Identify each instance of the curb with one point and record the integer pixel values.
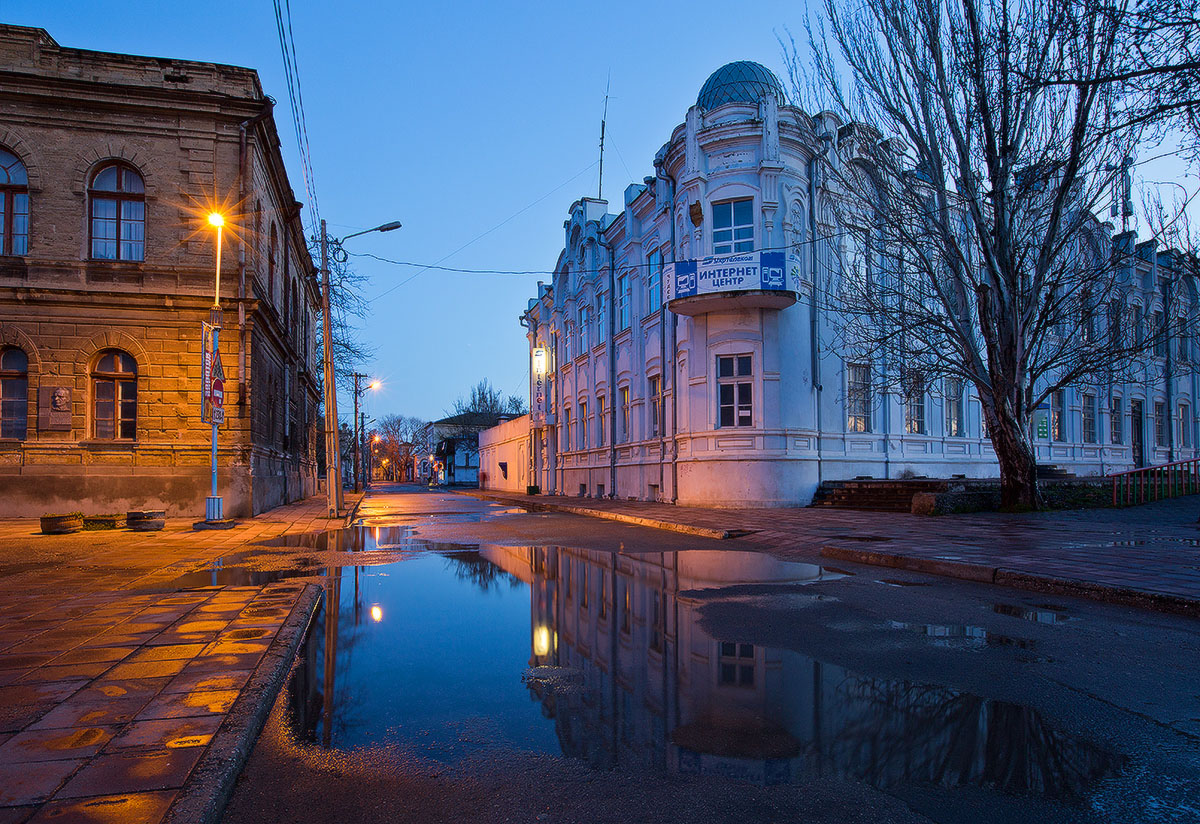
(654, 523)
(210, 785)
(1002, 576)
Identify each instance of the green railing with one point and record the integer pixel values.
(1153, 483)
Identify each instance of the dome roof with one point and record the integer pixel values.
(741, 82)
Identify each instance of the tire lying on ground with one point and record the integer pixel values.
(145, 520)
(62, 524)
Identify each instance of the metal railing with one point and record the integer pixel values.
(1153, 483)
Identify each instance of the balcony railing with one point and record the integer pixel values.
(1154, 483)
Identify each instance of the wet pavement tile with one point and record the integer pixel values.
(55, 745)
(222, 663)
(32, 783)
(90, 655)
(25, 660)
(118, 773)
(129, 808)
(187, 681)
(167, 733)
(188, 704)
(167, 652)
(16, 815)
(147, 669)
(68, 672)
(93, 712)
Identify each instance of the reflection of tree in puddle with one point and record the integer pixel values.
(650, 688)
(470, 566)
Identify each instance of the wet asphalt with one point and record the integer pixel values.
(1093, 709)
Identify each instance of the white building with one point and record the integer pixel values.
(720, 386)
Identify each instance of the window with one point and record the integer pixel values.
(1185, 426)
(583, 584)
(117, 200)
(1089, 419)
(655, 392)
(601, 421)
(1160, 423)
(585, 331)
(624, 413)
(1116, 422)
(626, 608)
(14, 205)
(1159, 330)
(272, 248)
(569, 341)
(622, 302)
(656, 621)
(914, 402)
(567, 429)
(735, 664)
(954, 408)
(858, 397)
(1058, 415)
(602, 597)
(601, 320)
(114, 396)
(735, 390)
(654, 282)
(1139, 326)
(14, 393)
(1185, 340)
(1114, 321)
(583, 426)
(733, 226)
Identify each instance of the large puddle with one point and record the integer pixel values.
(603, 657)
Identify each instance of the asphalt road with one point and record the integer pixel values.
(877, 696)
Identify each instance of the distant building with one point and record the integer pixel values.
(108, 165)
(722, 385)
(455, 443)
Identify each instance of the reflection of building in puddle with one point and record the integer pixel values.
(643, 685)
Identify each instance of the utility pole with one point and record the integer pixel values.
(366, 448)
(357, 477)
(333, 469)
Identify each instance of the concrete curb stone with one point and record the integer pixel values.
(210, 785)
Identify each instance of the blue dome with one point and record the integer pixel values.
(742, 82)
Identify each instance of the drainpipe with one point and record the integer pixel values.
(814, 317)
(612, 366)
(243, 174)
(663, 174)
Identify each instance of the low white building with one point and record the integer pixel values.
(683, 351)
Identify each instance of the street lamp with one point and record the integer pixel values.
(333, 464)
(357, 438)
(212, 390)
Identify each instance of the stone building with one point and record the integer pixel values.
(109, 165)
(686, 351)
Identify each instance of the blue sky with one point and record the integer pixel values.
(474, 123)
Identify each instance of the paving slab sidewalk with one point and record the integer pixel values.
(123, 698)
(1146, 556)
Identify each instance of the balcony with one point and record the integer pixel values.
(746, 280)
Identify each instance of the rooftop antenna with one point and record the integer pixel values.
(603, 118)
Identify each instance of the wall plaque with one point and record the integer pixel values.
(54, 408)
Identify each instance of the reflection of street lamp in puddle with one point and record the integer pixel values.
(541, 641)
(376, 613)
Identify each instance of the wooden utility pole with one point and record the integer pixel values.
(333, 468)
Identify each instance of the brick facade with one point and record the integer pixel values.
(198, 134)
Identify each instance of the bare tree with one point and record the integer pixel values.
(965, 244)
(486, 399)
(347, 308)
(402, 438)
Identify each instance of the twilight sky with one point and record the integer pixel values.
(474, 123)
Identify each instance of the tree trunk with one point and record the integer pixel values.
(1018, 466)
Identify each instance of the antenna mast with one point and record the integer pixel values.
(603, 118)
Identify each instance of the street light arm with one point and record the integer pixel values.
(386, 227)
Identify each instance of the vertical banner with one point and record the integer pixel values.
(537, 404)
(206, 347)
(212, 376)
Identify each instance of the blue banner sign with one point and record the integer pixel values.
(741, 272)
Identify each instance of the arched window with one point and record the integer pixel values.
(14, 393)
(296, 324)
(14, 205)
(114, 396)
(117, 200)
(271, 264)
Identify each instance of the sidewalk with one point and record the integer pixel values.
(1146, 556)
(121, 698)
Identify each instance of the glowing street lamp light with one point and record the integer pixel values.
(217, 221)
(214, 507)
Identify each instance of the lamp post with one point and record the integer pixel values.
(333, 463)
(357, 391)
(214, 509)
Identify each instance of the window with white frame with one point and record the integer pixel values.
(654, 282)
(601, 421)
(1185, 426)
(1089, 419)
(654, 390)
(1159, 330)
(735, 390)
(733, 226)
(622, 303)
(568, 342)
(585, 330)
(858, 397)
(624, 393)
(567, 430)
(1160, 423)
(601, 319)
(735, 664)
(1116, 421)
(914, 402)
(954, 408)
(1184, 338)
(583, 426)
(1058, 415)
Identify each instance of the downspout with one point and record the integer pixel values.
(527, 324)
(665, 175)
(243, 173)
(612, 366)
(814, 317)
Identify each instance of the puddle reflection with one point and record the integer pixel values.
(603, 658)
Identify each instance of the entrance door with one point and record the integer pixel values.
(1136, 428)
